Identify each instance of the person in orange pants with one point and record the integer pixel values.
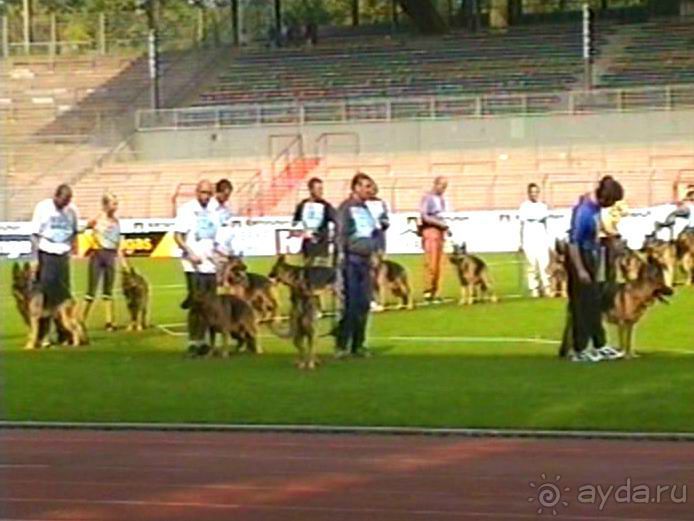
(433, 230)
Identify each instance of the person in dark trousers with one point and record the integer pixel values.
(586, 267)
(314, 214)
(357, 241)
(196, 226)
(54, 228)
(105, 251)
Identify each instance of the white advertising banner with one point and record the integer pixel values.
(481, 231)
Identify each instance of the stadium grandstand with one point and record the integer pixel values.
(493, 94)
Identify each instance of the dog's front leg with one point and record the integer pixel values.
(33, 338)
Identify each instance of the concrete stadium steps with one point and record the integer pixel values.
(519, 60)
(657, 52)
(484, 178)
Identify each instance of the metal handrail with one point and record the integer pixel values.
(666, 97)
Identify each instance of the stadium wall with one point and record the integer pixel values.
(648, 127)
(482, 231)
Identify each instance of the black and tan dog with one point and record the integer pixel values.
(317, 279)
(391, 276)
(625, 306)
(256, 289)
(227, 315)
(473, 275)
(664, 253)
(302, 324)
(630, 264)
(558, 276)
(685, 254)
(31, 306)
(137, 294)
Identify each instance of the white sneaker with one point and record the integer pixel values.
(587, 355)
(610, 353)
(376, 307)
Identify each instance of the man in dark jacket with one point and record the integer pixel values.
(314, 214)
(357, 241)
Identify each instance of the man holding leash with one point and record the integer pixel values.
(195, 230)
(54, 229)
(357, 241)
(433, 230)
(533, 216)
(314, 214)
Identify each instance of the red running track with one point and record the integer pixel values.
(173, 476)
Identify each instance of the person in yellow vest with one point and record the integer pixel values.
(103, 253)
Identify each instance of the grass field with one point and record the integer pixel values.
(489, 365)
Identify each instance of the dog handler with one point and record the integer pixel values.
(586, 269)
(433, 231)
(315, 214)
(533, 216)
(106, 239)
(54, 228)
(357, 241)
(195, 230)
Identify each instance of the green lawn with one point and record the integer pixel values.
(486, 372)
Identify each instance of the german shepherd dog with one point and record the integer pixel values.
(136, 292)
(389, 275)
(625, 306)
(685, 254)
(665, 254)
(227, 315)
(302, 324)
(317, 279)
(558, 277)
(256, 289)
(31, 306)
(473, 274)
(629, 265)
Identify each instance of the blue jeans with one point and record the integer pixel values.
(357, 284)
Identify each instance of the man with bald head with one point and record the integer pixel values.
(433, 231)
(54, 231)
(197, 222)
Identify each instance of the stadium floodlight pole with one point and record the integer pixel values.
(588, 46)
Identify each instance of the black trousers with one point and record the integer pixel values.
(54, 278)
(584, 317)
(357, 293)
(198, 283)
(102, 265)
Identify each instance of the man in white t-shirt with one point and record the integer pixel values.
(195, 230)
(54, 229)
(533, 216)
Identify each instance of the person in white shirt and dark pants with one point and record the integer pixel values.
(54, 229)
(196, 227)
(533, 216)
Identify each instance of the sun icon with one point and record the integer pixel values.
(548, 495)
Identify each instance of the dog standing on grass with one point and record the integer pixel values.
(318, 278)
(137, 293)
(227, 315)
(558, 276)
(473, 275)
(256, 289)
(390, 276)
(685, 254)
(36, 314)
(302, 324)
(629, 302)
